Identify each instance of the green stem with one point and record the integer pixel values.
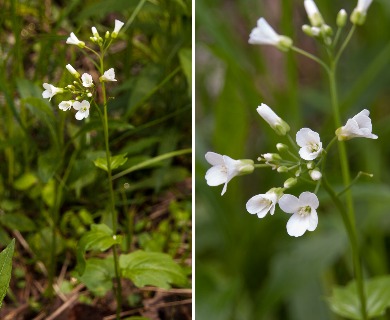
(350, 223)
(344, 45)
(311, 56)
(114, 217)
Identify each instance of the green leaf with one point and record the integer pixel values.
(25, 182)
(345, 300)
(152, 161)
(116, 161)
(17, 221)
(185, 56)
(98, 275)
(6, 269)
(151, 268)
(99, 238)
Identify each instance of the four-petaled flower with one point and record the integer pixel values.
(87, 80)
(65, 105)
(264, 34)
(72, 39)
(50, 91)
(108, 75)
(225, 169)
(310, 144)
(304, 215)
(276, 123)
(82, 109)
(118, 26)
(359, 126)
(262, 203)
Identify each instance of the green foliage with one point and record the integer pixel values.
(345, 300)
(100, 238)
(115, 162)
(151, 268)
(98, 275)
(6, 269)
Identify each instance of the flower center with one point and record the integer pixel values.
(83, 109)
(313, 147)
(304, 211)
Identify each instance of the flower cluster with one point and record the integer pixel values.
(302, 161)
(263, 33)
(83, 87)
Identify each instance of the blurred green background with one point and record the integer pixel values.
(247, 268)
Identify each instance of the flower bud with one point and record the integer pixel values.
(326, 30)
(72, 71)
(282, 169)
(276, 123)
(281, 147)
(313, 13)
(307, 30)
(246, 166)
(95, 33)
(271, 157)
(290, 182)
(310, 165)
(107, 34)
(341, 18)
(315, 174)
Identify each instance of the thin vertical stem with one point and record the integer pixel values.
(350, 223)
(114, 217)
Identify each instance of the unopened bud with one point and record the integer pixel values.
(341, 18)
(282, 169)
(315, 174)
(107, 34)
(271, 157)
(310, 165)
(246, 166)
(290, 182)
(307, 30)
(326, 30)
(281, 147)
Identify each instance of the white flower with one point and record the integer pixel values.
(118, 26)
(304, 212)
(73, 40)
(359, 126)
(358, 15)
(82, 109)
(276, 123)
(87, 80)
(264, 34)
(225, 169)
(108, 75)
(72, 71)
(313, 13)
(50, 91)
(262, 203)
(65, 105)
(310, 144)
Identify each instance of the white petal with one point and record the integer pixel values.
(313, 220)
(289, 203)
(76, 105)
(306, 136)
(214, 158)
(232, 166)
(216, 176)
(297, 225)
(79, 115)
(308, 199)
